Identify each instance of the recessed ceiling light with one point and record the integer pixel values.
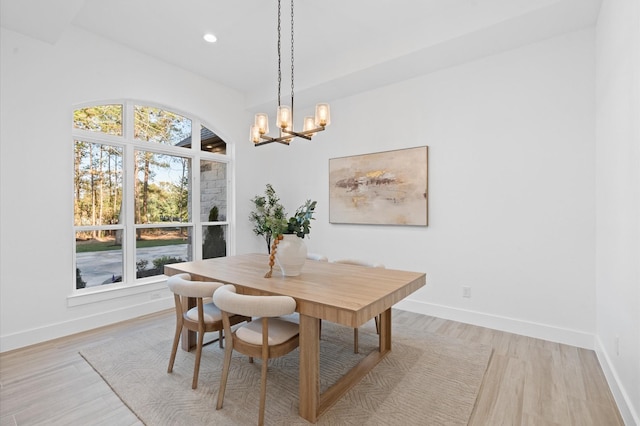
(210, 38)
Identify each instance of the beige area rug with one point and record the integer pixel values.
(427, 379)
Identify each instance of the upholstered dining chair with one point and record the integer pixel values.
(202, 318)
(370, 265)
(317, 256)
(265, 337)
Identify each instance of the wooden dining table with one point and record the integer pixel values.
(344, 294)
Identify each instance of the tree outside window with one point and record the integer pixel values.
(133, 196)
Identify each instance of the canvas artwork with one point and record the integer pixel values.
(387, 188)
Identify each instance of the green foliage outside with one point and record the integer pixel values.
(99, 168)
(158, 266)
(159, 262)
(80, 283)
(100, 118)
(214, 243)
(109, 245)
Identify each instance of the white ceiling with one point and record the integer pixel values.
(341, 46)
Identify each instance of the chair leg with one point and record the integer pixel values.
(196, 367)
(220, 338)
(355, 335)
(225, 374)
(263, 391)
(174, 349)
(355, 340)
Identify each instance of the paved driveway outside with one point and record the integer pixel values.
(100, 267)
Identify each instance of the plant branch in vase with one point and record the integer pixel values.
(268, 215)
(300, 223)
(270, 222)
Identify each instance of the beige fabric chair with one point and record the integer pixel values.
(318, 257)
(203, 318)
(266, 337)
(370, 265)
(360, 263)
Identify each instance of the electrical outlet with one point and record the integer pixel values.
(466, 291)
(155, 296)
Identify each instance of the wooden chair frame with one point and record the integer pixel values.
(200, 327)
(263, 351)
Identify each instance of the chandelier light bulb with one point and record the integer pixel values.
(254, 134)
(262, 123)
(309, 124)
(210, 38)
(323, 115)
(284, 119)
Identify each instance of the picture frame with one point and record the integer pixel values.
(381, 188)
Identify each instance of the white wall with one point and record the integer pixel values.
(618, 201)
(39, 84)
(511, 176)
(511, 179)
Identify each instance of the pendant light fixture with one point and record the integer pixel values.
(284, 113)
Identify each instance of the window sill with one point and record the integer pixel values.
(114, 291)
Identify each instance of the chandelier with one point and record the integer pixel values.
(284, 114)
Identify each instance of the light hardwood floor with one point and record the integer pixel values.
(528, 381)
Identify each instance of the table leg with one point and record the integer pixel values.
(385, 331)
(312, 404)
(309, 392)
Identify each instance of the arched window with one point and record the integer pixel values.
(150, 188)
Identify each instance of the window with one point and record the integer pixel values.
(148, 191)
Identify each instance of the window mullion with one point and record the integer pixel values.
(231, 223)
(195, 206)
(129, 240)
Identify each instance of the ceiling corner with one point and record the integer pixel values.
(44, 20)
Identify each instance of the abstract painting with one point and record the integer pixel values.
(385, 188)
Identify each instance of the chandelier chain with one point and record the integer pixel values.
(284, 116)
(292, 57)
(279, 56)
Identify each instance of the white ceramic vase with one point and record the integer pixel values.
(291, 253)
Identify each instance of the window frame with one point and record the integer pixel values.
(130, 285)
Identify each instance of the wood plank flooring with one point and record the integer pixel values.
(528, 381)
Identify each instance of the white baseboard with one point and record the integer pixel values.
(629, 415)
(511, 325)
(78, 325)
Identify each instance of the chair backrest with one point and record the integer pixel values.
(182, 285)
(229, 301)
(360, 263)
(317, 256)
